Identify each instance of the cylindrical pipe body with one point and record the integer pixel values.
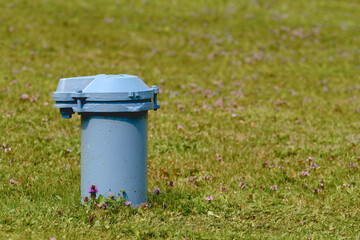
(114, 154)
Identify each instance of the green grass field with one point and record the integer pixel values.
(260, 109)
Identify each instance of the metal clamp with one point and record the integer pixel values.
(80, 99)
(156, 92)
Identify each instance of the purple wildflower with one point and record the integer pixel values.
(207, 177)
(219, 159)
(305, 173)
(316, 191)
(68, 150)
(91, 218)
(242, 185)
(12, 160)
(144, 205)
(128, 203)
(346, 185)
(274, 187)
(171, 183)
(310, 158)
(24, 96)
(157, 191)
(223, 189)
(59, 212)
(266, 164)
(190, 179)
(313, 165)
(209, 198)
(93, 190)
(12, 181)
(4, 145)
(219, 103)
(352, 165)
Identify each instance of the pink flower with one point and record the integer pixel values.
(68, 150)
(25, 96)
(242, 185)
(13, 82)
(223, 189)
(180, 107)
(33, 99)
(219, 102)
(240, 94)
(59, 212)
(352, 165)
(209, 198)
(12, 181)
(180, 127)
(211, 56)
(313, 165)
(93, 190)
(274, 187)
(316, 191)
(206, 177)
(305, 173)
(157, 191)
(128, 203)
(190, 179)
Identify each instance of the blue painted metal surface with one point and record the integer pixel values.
(114, 110)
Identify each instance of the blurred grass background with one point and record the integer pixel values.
(243, 83)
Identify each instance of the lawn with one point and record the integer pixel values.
(260, 111)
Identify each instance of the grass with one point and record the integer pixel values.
(250, 90)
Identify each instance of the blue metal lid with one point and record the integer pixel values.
(104, 93)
